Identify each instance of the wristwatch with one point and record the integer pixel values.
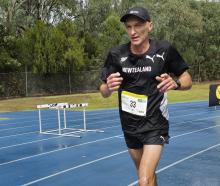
(178, 84)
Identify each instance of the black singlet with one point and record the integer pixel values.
(139, 72)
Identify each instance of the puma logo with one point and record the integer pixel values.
(160, 56)
(162, 138)
(123, 59)
(151, 58)
(157, 55)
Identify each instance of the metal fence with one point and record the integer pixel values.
(31, 84)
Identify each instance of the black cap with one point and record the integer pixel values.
(139, 12)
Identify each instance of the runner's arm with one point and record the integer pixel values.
(168, 83)
(113, 83)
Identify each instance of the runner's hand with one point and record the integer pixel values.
(114, 81)
(166, 83)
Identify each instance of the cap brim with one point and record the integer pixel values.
(125, 17)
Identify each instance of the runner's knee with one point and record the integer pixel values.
(147, 180)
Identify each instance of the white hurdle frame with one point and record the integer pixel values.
(61, 131)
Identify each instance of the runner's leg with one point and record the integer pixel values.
(148, 163)
(136, 155)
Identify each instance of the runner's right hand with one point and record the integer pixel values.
(114, 81)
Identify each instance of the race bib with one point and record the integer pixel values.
(134, 103)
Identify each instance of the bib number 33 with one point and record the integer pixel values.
(134, 103)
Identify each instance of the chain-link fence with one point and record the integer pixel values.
(31, 84)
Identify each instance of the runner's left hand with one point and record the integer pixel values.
(166, 83)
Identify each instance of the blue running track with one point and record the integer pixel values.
(101, 159)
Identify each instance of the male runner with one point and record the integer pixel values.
(140, 72)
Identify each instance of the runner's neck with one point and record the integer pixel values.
(140, 49)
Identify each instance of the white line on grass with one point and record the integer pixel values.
(180, 161)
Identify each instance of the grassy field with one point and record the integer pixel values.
(4, 118)
(95, 100)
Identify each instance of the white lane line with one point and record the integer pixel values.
(118, 119)
(108, 110)
(195, 131)
(30, 142)
(119, 153)
(180, 161)
(19, 134)
(121, 137)
(188, 157)
(88, 114)
(65, 148)
(118, 136)
(36, 141)
(50, 124)
(189, 114)
(76, 167)
(28, 126)
(47, 139)
(191, 121)
(51, 118)
(15, 145)
(13, 128)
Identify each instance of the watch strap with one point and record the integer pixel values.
(178, 84)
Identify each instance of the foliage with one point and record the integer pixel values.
(110, 28)
(8, 62)
(49, 49)
(49, 36)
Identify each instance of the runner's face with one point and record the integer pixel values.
(137, 30)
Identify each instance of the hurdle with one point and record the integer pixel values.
(63, 130)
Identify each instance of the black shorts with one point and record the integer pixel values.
(137, 141)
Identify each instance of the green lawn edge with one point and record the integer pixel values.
(199, 92)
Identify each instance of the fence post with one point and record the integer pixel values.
(70, 82)
(26, 81)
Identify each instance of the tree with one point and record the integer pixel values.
(42, 48)
(12, 15)
(49, 49)
(8, 61)
(74, 56)
(111, 33)
(74, 47)
(209, 49)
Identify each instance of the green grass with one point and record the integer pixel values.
(95, 100)
(196, 93)
(4, 118)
